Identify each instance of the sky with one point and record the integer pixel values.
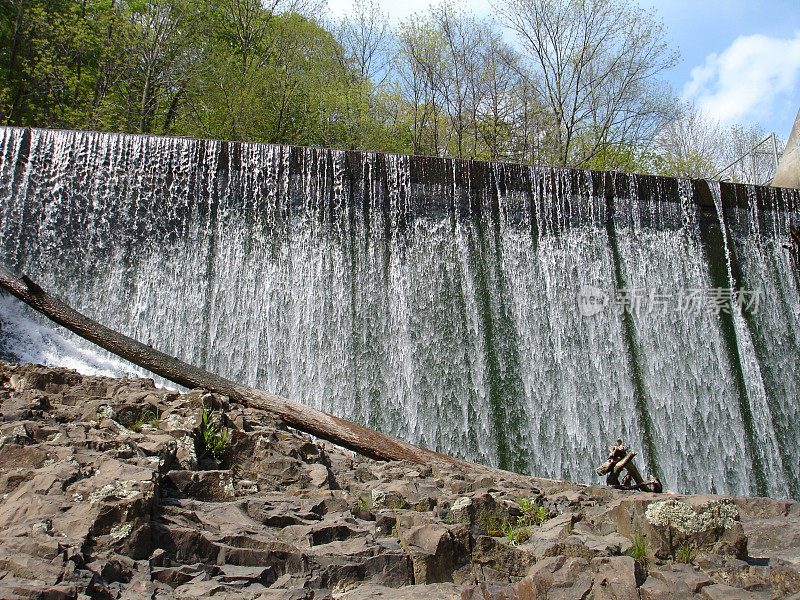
(740, 59)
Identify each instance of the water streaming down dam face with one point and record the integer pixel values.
(434, 300)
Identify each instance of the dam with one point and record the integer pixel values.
(522, 317)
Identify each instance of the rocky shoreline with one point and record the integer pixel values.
(113, 488)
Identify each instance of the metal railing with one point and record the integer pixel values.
(762, 165)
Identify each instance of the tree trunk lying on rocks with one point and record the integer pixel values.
(344, 433)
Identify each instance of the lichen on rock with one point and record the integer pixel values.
(716, 514)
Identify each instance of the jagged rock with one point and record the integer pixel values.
(503, 557)
(438, 591)
(700, 522)
(557, 578)
(655, 589)
(203, 485)
(462, 511)
(97, 503)
(320, 477)
(616, 578)
(720, 591)
(679, 576)
(432, 552)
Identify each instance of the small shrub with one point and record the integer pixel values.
(212, 438)
(147, 417)
(421, 506)
(508, 531)
(522, 535)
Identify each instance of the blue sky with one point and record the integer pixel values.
(740, 60)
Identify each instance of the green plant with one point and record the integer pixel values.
(146, 417)
(515, 535)
(532, 513)
(150, 418)
(363, 503)
(508, 531)
(212, 437)
(490, 523)
(638, 549)
(686, 553)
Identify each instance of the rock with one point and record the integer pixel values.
(92, 508)
(617, 578)
(557, 578)
(439, 591)
(203, 485)
(678, 576)
(655, 589)
(719, 591)
(462, 511)
(431, 550)
(502, 556)
(700, 522)
(384, 498)
(319, 476)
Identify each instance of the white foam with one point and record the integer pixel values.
(26, 341)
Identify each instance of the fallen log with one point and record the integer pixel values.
(353, 436)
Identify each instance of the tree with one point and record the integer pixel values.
(504, 116)
(460, 83)
(157, 62)
(368, 50)
(421, 50)
(49, 55)
(688, 145)
(694, 145)
(594, 64)
(748, 155)
(367, 42)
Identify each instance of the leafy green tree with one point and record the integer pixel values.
(595, 66)
(50, 51)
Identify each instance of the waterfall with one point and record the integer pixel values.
(435, 300)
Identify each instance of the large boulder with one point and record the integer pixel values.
(692, 522)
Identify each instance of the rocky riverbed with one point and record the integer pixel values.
(113, 488)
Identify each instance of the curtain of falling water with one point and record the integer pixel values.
(459, 331)
(690, 391)
(771, 335)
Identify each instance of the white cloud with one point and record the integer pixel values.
(751, 78)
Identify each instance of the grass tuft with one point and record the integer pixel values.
(638, 550)
(686, 553)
